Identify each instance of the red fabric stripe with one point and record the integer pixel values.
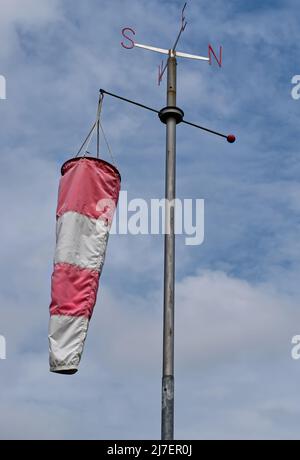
(86, 182)
(73, 290)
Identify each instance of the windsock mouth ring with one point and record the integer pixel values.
(66, 165)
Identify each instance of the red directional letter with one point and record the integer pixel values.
(128, 47)
(210, 50)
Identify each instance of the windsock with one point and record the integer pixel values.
(87, 198)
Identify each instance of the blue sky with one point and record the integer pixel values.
(237, 295)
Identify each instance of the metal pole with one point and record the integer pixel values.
(167, 425)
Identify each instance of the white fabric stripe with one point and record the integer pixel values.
(66, 340)
(81, 241)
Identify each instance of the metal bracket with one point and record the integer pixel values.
(174, 112)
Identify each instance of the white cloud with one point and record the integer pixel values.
(27, 14)
(217, 318)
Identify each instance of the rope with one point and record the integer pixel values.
(88, 138)
(97, 125)
(107, 144)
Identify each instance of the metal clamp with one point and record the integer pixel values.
(174, 112)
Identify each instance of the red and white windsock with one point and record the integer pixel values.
(87, 198)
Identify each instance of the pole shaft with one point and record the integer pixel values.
(167, 426)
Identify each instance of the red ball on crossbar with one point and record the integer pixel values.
(231, 138)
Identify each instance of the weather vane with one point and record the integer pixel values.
(172, 51)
